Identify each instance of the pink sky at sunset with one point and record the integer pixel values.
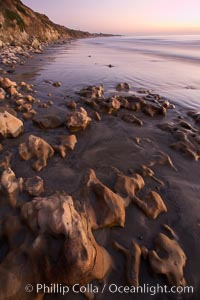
(123, 16)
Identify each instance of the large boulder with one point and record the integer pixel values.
(80, 259)
(10, 126)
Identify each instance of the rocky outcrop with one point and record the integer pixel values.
(19, 24)
(80, 257)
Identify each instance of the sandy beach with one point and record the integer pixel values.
(117, 166)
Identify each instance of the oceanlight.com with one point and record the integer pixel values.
(111, 288)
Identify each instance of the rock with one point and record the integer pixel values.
(123, 101)
(147, 172)
(72, 105)
(112, 105)
(26, 87)
(36, 44)
(186, 138)
(79, 258)
(123, 86)
(195, 114)
(31, 99)
(152, 204)
(57, 84)
(16, 270)
(128, 186)
(26, 107)
(78, 121)
(152, 110)
(29, 115)
(11, 186)
(133, 257)
(162, 158)
(96, 116)
(48, 121)
(92, 92)
(66, 144)
(131, 118)
(168, 259)
(6, 83)
(36, 148)
(34, 186)
(105, 208)
(8, 109)
(13, 92)
(2, 94)
(5, 161)
(11, 228)
(135, 103)
(10, 126)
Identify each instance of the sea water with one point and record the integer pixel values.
(169, 65)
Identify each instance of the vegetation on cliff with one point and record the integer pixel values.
(19, 24)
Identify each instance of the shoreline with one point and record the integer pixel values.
(120, 132)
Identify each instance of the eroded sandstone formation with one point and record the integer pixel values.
(10, 185)
(37, 148)
(169, 259)
(10, 126)
(92, 92)
(151, 204)
(65, 144)
(99, 198)
(128, 187)
(186, 137)
(80, 258)
(133, 257)
(34, 186)
(78, 121)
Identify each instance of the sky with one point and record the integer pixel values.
(123, 16)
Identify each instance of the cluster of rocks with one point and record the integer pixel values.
(79, 257)
(186, 137)
(150, 104)
(11, 55)
(58, 243)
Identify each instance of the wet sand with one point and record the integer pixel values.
(111, 142)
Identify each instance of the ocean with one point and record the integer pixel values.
(169, 65)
